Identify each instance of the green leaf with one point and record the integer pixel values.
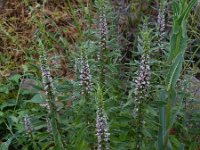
(176, 9)
(175, 142)
(184, 31)
(5, 145)
(13, 119)
(188, 9)
(15, 78)
(174, 72)
(8, 103)
(38, 98)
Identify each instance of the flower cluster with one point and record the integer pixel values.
(46, 105)
(46, 76)
(142, 81)
(103, 31)
(51, 98)
(161, 25)
(161, 22)
(102, 129)
(85, 76)
(103, 27)
(49, 88)
(47, 81)
(27, 124)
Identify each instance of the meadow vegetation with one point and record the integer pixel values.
(100, 75)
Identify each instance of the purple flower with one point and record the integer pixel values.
(161, 25)
(161, 21)
(142, 81)
(103, 31)
(102, 129)
(85, 76)
(47, 81)
(103, 27)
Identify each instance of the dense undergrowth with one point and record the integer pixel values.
(85, 75)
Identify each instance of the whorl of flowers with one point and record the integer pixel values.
(46, 80)
(103, 27)
(27, 124)
(161, 21)
(46, 76)
(103, 31)
(141, 86)
(161, 24)
(85, 76)
(142, 81)
(49, 125)
(102, 128)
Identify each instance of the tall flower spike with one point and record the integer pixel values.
(103, 27)
(85, 76)
(47, 81)
(46, 76)
(141, 86)
(103, 31)
(50, 97)
(102, 127)
(161, 25)
(27, 124)
(142, 81)
(161, 21)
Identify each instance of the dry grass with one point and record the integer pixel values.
(17, 32)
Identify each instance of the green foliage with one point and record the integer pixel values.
(178, 45)
(168, 116)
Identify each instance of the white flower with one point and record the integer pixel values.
(47, 81)
(142, 82)
(144, 75)
(46, 105)
(103, 31)
(161, 25)
(27, 124)
(102, 129)
(103, 27)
